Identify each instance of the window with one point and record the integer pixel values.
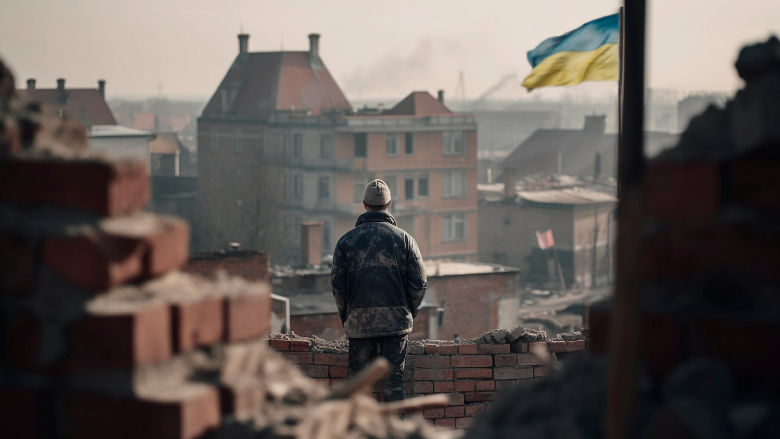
(454, 227)
(298, 186)
(326, 146)
(297, 145)
(360, 186)
(454, 184)
(361, 143)
(422, 186)
(324, 187)
(454, 142)
(409, 143)
(238, 142)
(391, 184)
(392, 144)
(409, 188)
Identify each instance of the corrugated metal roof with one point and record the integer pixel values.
(572, 196)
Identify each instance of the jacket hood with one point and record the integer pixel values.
(373, 216)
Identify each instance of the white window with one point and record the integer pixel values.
(454, 227)
(392, 144)
(298, 186)
(326, 146)
(324, 187)
(453, 184)
(454, 142)
(297, 145)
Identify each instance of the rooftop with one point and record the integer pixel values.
(569, 196)
(103, 131)
(84, 104)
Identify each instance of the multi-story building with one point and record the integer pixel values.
(279, 145)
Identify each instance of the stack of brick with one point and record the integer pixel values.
(470, 373)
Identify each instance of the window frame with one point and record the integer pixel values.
(323, 182)
(361, 145)
(450, 222)
(326, 146)
(427, 179)
(450, 142)
(391, 139)
(409, 143)
(409, 188)
(297, 145)
(298, 186)
(447, 184)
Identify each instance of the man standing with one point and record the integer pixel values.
(378, 281)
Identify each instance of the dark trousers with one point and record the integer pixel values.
(363, 351)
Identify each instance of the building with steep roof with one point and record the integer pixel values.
(279, 145)
(88, 105)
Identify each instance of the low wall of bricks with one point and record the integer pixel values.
(471, 374)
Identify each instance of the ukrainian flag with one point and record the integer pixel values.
(588, 53)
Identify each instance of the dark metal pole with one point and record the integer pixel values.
(621, 386)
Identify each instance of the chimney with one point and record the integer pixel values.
(311, 243)
(102, 88)
(243, 44)
(441, 96)
(62, 95)
(31, 84)
(314, 45)
(60, 85)
(595, 123)
(509, 183)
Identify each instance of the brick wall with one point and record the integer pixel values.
(250, 265)
(471, 374)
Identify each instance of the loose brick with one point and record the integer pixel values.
(529, 360)
(299, 345)
(315, 370)
(422, 387)
(478, 396)
(338, 371)
(456, 399)
(513, 373)
(474, 410)
(556, 346)
(456, 411)
(434, 413)
(465, 386)
(279, 344)
(504, 360)
(196, 323)
(472, 361)
(443, 386)
(467, 349)
(493, 348)
(299, 357)
(433, 374)
(248, 315)
(473, 373)
(104, 188)
(414, 349)
(331, 359)
(429, 349)
(485, 385)
(540, 371)
(445, 422)
(447, 349)
(167, 245)
(432, 362)
(463, 422)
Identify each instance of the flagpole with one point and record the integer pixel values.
(560, 270)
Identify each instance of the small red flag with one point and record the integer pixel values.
(545, 239)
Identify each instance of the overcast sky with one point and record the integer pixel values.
(373, 48)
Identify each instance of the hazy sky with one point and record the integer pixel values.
(373, 48)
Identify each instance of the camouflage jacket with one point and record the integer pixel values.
(378, 278)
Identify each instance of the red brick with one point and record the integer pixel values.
(121, 339)
(247, 316)
(299, 357)
(432, 362)
(443, 386)
(513, 373)
(473, 373)
(279, 344)
(338, 371)
(331, 359)
(183, 415)
(556, 346)
(315, 370)
(518, 347)
(434, 413)
(17, 265)
(472, 361)
(478, 396)
(486, 385)
(682, 192)
(429, 349)
(463, 422)
(18, 413)
(433, 374)
(506, 384)
(196, 324)
(493, 348)
(506, 360)
(300, 345)
(474, 410)
(454, 412)
(467, 349)
(445, 422)
(465, 386)
(534, 346)
(529, 360)
(575, 345)
(456, 399)
(422, 387)
(540, 371)
(104, 188)
(447, 349)
(167, 247)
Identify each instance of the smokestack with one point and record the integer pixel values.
(31, 84)
(509, 183)
(60, 85)
(102, 88)
(441, 96)
(314, 45)
(62, 95)
(311, 243)
(243, 44)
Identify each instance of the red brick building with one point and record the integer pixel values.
(88, 105)
(279, 145)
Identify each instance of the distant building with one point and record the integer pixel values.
(583, 227)
(694, 105)
(168, 156)
(279, 145)
(121, 142)
(85, 104)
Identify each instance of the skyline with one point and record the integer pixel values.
(171, 49)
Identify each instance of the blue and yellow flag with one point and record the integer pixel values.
(588, 53)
